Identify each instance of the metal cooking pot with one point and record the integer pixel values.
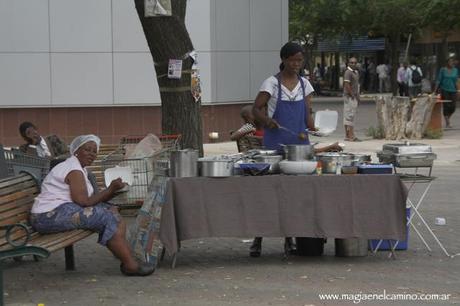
(184, 163)
(330, 160)
(273, 160)
(359, 158)
(295, 152)
(215, 167)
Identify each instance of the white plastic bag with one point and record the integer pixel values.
(146, 147)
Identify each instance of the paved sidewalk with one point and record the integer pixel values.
(220, 272)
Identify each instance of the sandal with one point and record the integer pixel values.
(144, 269)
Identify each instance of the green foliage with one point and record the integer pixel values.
(433, 134)
(375, 132)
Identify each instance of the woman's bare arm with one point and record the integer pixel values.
(259, 113)
(79, 193)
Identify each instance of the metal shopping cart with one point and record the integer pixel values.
(18, 162)
(144, 169)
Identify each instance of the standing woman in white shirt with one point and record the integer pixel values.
(284, 100)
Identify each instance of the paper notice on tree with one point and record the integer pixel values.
(195, 77)
(174, 69)
(154, 8)
(196, 84)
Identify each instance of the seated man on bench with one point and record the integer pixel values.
(50, 146)
(67, 201)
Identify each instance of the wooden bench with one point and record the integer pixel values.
(17, 238)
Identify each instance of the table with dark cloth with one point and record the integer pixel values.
(345, 206)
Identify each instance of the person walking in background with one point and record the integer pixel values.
(414, 79)
(447, 84)
(383, 73)
(350, 99)
(401, 78)
(372, 75)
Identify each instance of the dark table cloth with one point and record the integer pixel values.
(345, 206)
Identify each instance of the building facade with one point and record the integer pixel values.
(76, 67)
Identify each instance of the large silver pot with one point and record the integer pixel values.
(330, 160)
(215, 167)
(273, 160)
(184, 163)
(299, 151)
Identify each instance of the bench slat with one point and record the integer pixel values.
(14, 188)
(21, 218)
(71, 239)
(15, 180)
(25, 193)
(4, 208)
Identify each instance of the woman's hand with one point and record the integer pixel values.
(272, 124)
(116, 185)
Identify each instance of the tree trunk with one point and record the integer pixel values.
(168, 38)
(421, 116)
(392, 116)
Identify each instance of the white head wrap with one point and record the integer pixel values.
(81, 140)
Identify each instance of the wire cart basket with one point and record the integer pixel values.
(167, 141)
(18, 162)
(143, 169)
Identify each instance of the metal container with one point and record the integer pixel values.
(330, 160)
(296, 152)
(215, 167)
(351, 247)
(407, 148)
(183, 163)
(361, 158)
(273, 160)
(411, 160)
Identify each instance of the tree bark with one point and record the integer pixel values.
(392, 116)
(167, 38)
(421, 116)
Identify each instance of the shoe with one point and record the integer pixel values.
(144, 269)
(256, 248)
(289, 247)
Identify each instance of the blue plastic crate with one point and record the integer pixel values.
(385, 246)
(375, 169)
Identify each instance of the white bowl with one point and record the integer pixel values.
(297, 166)
(125, 173)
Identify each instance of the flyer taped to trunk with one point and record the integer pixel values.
(174, 69)
(154, 8)
(195, 78)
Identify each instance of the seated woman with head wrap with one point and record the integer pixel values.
(67, 201)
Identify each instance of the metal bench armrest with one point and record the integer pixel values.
(9, 230)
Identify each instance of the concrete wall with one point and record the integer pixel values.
(67, 53)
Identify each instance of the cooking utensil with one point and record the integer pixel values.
(184, 163)
(213, 167)
(273, 160)
(300, 135)
(297, 167)
(331, 160)
(296, 152)
(359, 158)
(125, 173)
